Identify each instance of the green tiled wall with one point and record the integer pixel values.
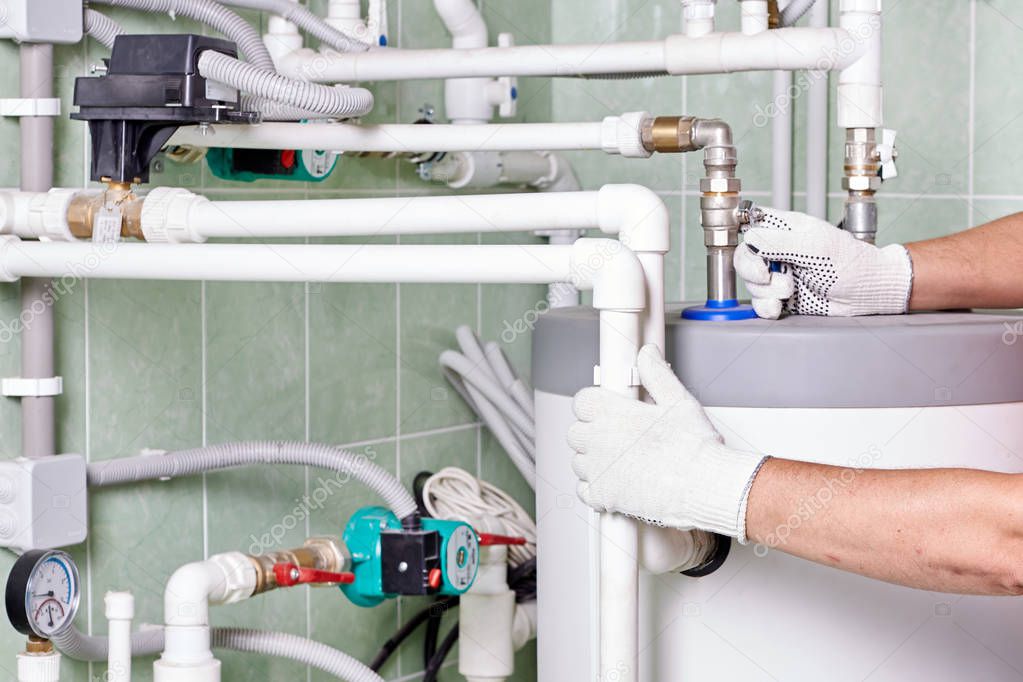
(173, 365)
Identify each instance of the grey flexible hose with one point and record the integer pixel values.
(305, 20)
(275, 111)
(81, 647)
(794, 11)
(213, 15)
(101, 27)
(75, 644)
(295, 648)
(210, 458)
(321, 99)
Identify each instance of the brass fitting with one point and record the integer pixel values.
(668, 134)
(38, 645)
(320, 553)
(85, 208)
(773, 14)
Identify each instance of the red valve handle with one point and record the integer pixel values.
(289, 575)
(489, 539)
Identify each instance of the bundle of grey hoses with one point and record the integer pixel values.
(82, 647)
(213, 457)
(273, 95)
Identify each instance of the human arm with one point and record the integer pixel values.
(948, 530)
(826, 271)
(953, 530)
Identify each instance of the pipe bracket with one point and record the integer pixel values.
(17, 387)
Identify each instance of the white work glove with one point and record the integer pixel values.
(662, 463)
(825, 270)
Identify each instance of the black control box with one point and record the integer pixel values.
(151, 88)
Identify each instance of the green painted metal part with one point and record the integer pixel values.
(459, 554)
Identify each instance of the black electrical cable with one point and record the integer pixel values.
(438, 658)
(413, 623)
(430, 638)
(522, 579)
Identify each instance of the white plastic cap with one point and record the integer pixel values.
(119, 605)
(39, 667)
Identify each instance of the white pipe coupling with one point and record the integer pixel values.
(623, 135)
(166, 216)
(38, 215)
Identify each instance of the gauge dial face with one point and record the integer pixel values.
(51, 597)
(462, 558)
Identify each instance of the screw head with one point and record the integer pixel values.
(402, 567)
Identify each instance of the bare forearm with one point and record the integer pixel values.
(978, 268)
(949, 530)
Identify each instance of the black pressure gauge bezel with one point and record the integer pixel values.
(18, 598)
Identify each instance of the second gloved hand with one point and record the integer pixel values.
(825, 270)
(662, 463)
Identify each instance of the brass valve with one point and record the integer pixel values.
(116, 202)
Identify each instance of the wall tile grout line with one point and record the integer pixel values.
(971, 124)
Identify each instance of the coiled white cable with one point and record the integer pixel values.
(454, 493)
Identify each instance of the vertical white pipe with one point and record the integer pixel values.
(38, 431)
(817, 128)
(619, 537)
(781, 141)
(859, 85)
(120, 610)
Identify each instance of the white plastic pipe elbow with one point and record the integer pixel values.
(120, 610)
(221, 579)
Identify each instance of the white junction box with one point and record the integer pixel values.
(41, 21)
(43, 502)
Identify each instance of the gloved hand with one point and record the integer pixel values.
(825, 271)
(662, 463)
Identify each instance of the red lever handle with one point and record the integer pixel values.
(489, 539)
(289, 575)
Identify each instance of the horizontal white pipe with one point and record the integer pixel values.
(487, 62)
(461, 264)
(791, 48)
(392, 216)
(347, 137)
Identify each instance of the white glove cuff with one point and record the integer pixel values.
(885, 288)
(718, 504)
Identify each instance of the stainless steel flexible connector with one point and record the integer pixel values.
(81, 647)
(214, 15)
(320, 99)
(213, 457)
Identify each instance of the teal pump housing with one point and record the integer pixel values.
(388, 560)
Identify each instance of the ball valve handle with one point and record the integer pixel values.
(289, 575)
(489, 540)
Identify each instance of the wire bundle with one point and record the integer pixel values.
(454, 493)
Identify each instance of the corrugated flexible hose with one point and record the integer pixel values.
(213, 457)
(81, 647)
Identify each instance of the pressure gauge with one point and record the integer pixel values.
(42, 593)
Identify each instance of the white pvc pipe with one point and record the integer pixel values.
(619, 537)
(793, 48)
(120, 610)
(348, 137)
(817, 129)
(461, 264)
(755, 17)
(859, 84)
(465, 99)
(781, 141)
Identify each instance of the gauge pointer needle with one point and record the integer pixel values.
(49, 612)
(45, 594)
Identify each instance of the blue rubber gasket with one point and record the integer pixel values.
(719, 311)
